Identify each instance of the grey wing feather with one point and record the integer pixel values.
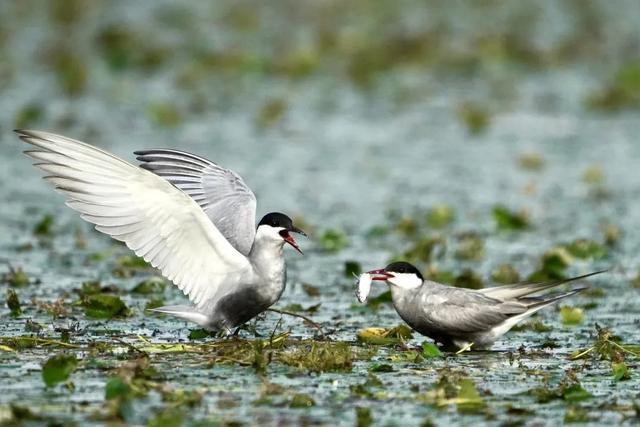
(518, 290)
(221, 193)
(459, 311)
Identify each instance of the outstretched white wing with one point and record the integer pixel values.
(156, 220)
(220, 192)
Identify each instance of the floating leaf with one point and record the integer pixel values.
(90, 287)
(352, 268)
(169, 417)
(13, 303)
(440, 216)
(116, 388)
(576, 414)
(198, 334)
(382, 336)
(103, 306)
(301, 401)
(575, 393)
(620, 371)
(165, 114)
(333, 240)
(28, 115)
(430, 350)
(312, 291)
(571, 315)
(15, 277)
(505, 274)
(271, 112)
(509, 221)
(152, 285)
(363, 417)
(475, 117)
(586, 249)
(423, 250)
(468, 279)
(470, 247)
(468, 399)
(531, 161)
(381, 367)
(383, 298)
(44, 227)
(553, 265)
(58, 369)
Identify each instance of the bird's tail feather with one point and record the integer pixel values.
(549, 299)
(185, 312)
(517, 290)
(535, 304)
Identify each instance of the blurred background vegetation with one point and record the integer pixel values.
(168, 62)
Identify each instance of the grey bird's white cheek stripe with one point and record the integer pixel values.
(405, 280)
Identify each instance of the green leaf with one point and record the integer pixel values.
(15, 277)
(382, 336)
(152, 285)
(116, 388)
(58, 368)
(352, 268)
(430, 350)
(302, 401)
(381, 367)
(90, 287)
(509, 221)
(575, 393)
(571, 316)
(103, 306)
(440, 216)
(505, 274)
(198, 334)
(43, 228)
(587, 249)
(468, 398)
(333, 240)
(13, 303)
(620, 371)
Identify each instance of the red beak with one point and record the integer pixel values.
(290, 240)
(380, 274)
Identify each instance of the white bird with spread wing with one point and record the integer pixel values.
(186, 216)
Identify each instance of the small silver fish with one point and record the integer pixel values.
(364, 286)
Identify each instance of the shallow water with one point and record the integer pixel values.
(340, 157)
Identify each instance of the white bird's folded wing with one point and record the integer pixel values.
(220, 192)
(156, 220)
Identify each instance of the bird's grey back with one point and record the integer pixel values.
(221, 193)
(447, 310)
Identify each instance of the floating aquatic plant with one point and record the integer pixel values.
(455, 388)
(571, 316)
(103, 306)
(507, 220)
(58, 368)
(333, 240)
(440, 216)
(13, 303)
(505, 274)
(382, 336)
(15, 277)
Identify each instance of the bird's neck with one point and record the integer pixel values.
(267, 259)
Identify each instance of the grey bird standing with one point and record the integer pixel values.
(186, 216)
(458, 318)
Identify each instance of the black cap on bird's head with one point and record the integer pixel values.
(283, 222)
(400, 267)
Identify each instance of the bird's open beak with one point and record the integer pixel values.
(380, 274)
(297, 230)
(289, 238)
